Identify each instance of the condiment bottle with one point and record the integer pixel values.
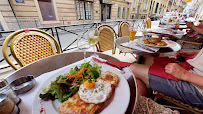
(6, 89)
(7, 106)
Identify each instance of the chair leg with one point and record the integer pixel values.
(155, 99)
(182, 43)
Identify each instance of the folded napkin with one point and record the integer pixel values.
(134, 45)
(113, 63)
(123, 64)
(158, 67)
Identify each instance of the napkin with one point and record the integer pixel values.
(158, 67)
(134, 45)
(116, 63)
(123, 64)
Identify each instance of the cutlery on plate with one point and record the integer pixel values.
(119, 68)
(144, 47)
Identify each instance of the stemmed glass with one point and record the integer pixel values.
(93, 40)
(84, 42)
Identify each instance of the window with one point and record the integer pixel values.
(134, 4)
(123, 15)
(84, 10)
(146, 4)
(47, 10)
(150, 6)
(108, 11)
(119, 12)
(80, 6)
(157, 5)
(153, 6)
(160, 9)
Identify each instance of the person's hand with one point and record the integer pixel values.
(175, 70)
(189, 54)
(190, 24)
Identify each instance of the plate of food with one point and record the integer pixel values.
(83, 88)
(157, 42)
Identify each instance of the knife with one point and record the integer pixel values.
(144, 47)
(108, 62)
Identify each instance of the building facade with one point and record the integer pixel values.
(64, 12)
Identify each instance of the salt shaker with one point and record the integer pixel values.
(7, 106)
(6, 89)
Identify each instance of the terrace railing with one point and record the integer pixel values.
(66, 35)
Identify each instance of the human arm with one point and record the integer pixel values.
(189, 54)
(197, 29)
(182, 74)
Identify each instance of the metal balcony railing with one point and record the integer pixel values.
(67, 35)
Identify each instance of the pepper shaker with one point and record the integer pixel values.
(6, 89)
(7, 106)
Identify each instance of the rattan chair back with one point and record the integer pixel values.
(197, 44)
(178, 103)
(123, 29)
(28, 46)
(107, 36)
(148, 22)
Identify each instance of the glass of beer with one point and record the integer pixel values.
(132, 32)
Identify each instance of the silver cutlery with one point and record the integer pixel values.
(144, 47)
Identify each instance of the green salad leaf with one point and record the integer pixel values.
(64, 87)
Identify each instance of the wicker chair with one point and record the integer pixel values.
(197, 44)
(148, 22)
(28, 46)
(180, 104)
(123, 29)
(190, 42)
(107, 35)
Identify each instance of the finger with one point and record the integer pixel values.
(167, 67)
(168, 71)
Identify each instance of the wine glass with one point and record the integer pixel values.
(144, 28)
(83, 43)
(93, 40)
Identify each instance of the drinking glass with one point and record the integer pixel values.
(93, 40)
(132, 32)
(83, 44)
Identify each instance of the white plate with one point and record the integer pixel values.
(169, 43)
(118, 105)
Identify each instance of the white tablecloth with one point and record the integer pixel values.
(28, 98)
(179, 33)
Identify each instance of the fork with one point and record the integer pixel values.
(144, 47)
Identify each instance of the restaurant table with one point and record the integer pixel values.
(169, 51)
(57, 61)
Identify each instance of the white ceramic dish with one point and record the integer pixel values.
(118, 105)
(169, 43)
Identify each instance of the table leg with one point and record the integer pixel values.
(140, 59)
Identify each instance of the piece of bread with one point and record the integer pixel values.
(110, 77)
(154, 40)
(75, 105)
